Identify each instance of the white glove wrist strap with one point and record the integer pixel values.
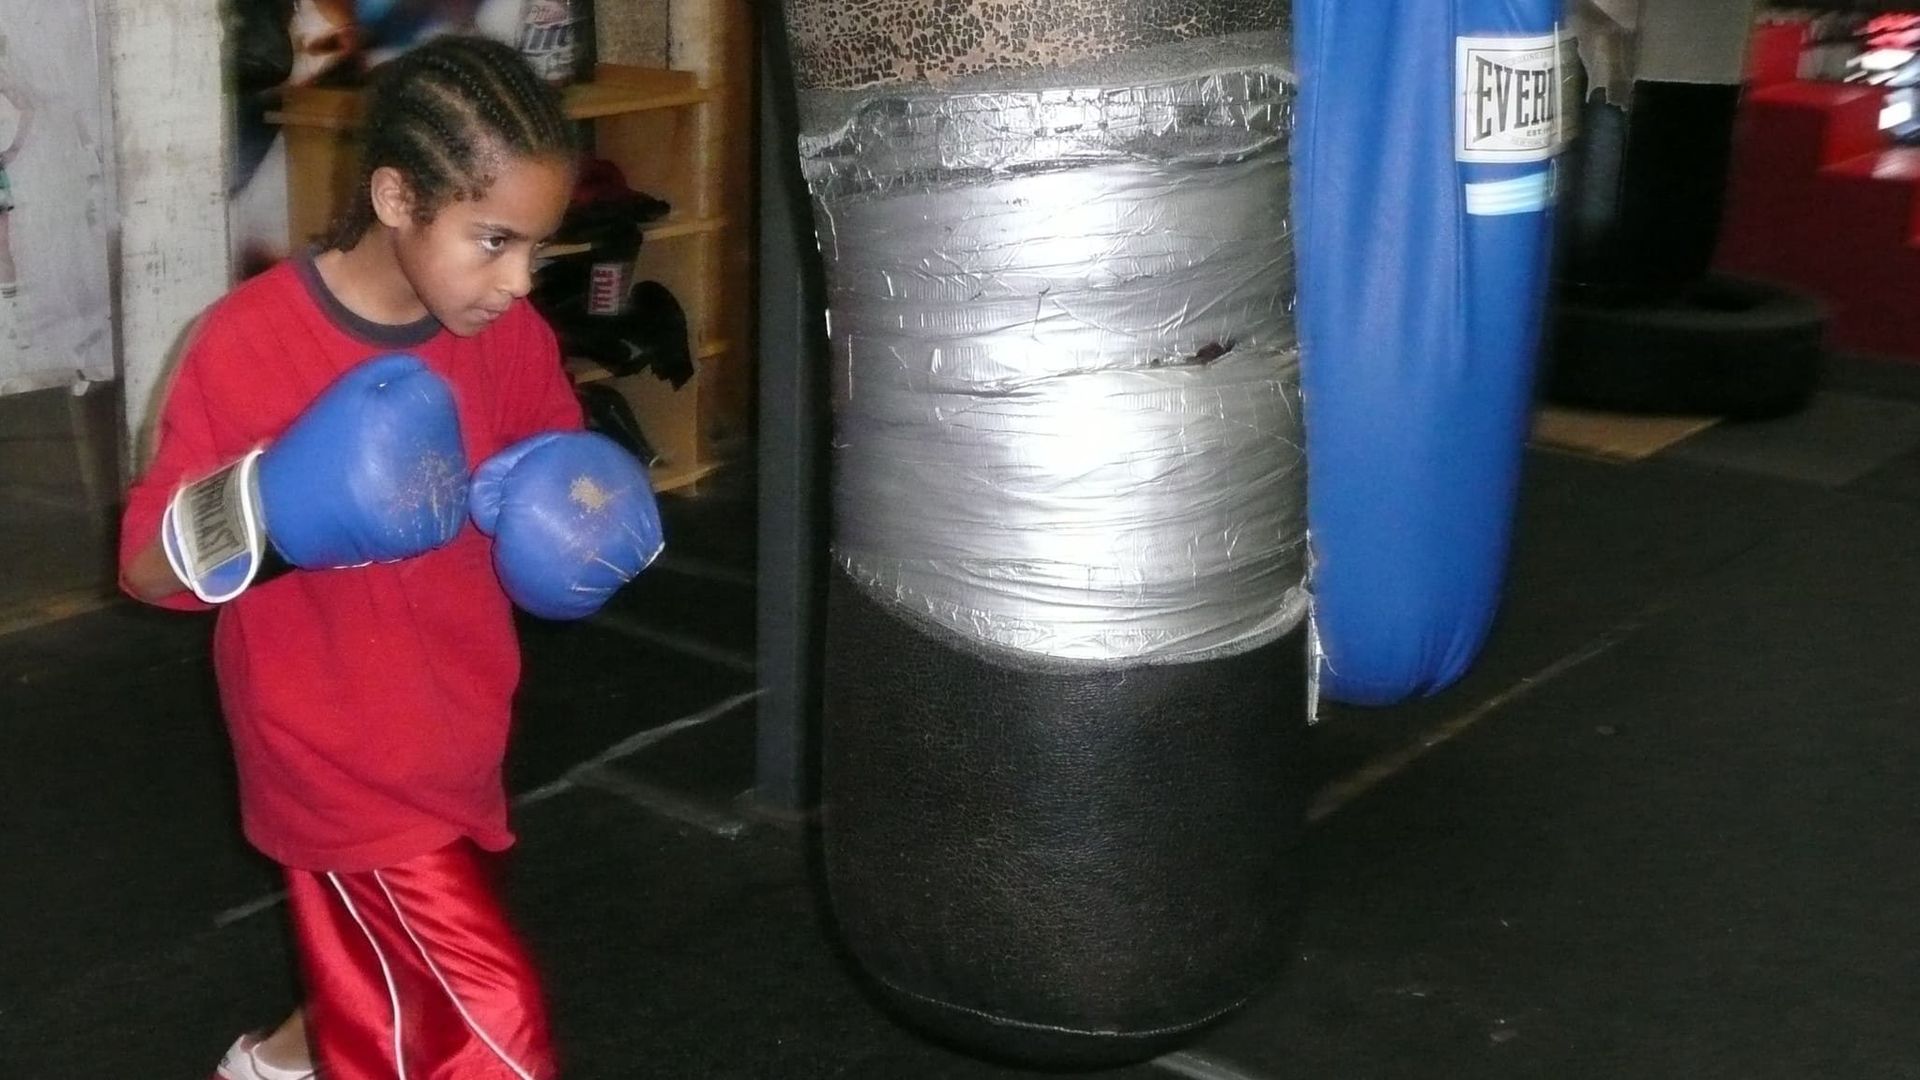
(215, 533)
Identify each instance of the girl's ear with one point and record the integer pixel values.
(392, 197)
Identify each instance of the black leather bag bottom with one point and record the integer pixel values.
(1053, 864)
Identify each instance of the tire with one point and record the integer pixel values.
(1730, 347)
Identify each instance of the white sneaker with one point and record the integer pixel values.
(241, 1064)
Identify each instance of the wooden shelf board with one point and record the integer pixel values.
(670, 227)
(584, 370)
(616, 89)
(664, 229)
(319, 107)
(669, 477)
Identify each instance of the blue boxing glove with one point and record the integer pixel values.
(372, 471)
(573, 518)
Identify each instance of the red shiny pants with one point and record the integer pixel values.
(412, 973)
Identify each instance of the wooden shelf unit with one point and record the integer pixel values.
(672, 134)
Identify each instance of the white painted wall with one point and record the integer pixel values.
(56, 329)
(170, 145)
(1694, 41)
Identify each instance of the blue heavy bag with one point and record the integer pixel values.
(1423, 183)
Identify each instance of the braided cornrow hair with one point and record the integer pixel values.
(444, 114)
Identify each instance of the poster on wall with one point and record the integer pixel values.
(56, 198)
(281, 44)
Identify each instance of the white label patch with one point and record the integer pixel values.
(215, 524)
(1513, 104)
(212, 532)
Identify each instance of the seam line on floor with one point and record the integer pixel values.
(659, 800)
(1198, 1066)
(1388, 765)
(53, 609)
(633, 744)
(591, 768)
(639, 631)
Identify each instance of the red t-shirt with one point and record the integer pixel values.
(368, 707)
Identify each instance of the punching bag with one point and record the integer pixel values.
(1064, 693)
(1424, 178)
(1644, 185)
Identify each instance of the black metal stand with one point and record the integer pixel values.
(792, 544)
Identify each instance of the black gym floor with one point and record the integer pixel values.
(1665, 828)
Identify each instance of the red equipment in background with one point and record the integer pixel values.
(1821, 198)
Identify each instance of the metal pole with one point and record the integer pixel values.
(792, 541)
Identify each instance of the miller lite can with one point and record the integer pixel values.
(556, 38)
(607, 288)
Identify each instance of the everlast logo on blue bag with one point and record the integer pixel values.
(1513, 103)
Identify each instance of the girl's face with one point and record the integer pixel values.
(476, 256)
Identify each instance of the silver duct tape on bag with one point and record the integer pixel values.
(1066, 386)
